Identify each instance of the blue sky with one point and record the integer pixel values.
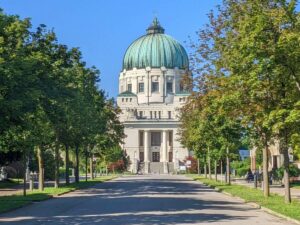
(103, 29)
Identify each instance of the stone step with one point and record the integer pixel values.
(155, 168)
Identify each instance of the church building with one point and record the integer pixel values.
(150, 92)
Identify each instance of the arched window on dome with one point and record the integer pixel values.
(169, 87)
(141, 87)
(155, 86)
(181, 87)
(129, 87)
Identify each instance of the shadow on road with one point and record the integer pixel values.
(131, 201)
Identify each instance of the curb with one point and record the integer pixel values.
(279, 215)
(254, 205)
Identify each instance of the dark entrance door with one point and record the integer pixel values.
(170, 156)
(141, 156)
(155, 156)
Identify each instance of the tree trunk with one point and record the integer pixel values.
(56, 182)
(86, 162)
(205, 170)
(41, 167)
(227, 167)
(286, 175)
(77, 163)
(67, 165)
(24, 175)
(91, 166)
(209, 166)
(221, 165)
(216, 172)
(265, 170)
(287, 196)
(198, 167)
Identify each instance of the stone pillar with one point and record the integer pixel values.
(165, 151)
(147, 84)
(146, 151)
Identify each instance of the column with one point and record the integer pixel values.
(146, 150)
(136, 85)
(165, 151)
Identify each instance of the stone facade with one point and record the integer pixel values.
(149, 98)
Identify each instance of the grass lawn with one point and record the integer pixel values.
(274, 202)
(8, 203)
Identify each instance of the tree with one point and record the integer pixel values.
(252, 46)
(50, 99)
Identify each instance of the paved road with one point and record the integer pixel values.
(142, 200)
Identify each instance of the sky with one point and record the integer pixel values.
(103, 29)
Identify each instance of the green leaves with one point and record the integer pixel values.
(246, 62)
(48, 94)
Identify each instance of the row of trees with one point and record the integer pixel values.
(247, 82)
(50, 100)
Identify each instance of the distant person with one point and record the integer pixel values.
(249, 176)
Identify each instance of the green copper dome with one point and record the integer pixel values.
(155, 49)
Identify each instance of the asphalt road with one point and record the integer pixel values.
(142, 200)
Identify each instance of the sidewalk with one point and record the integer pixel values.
(276, 189)
(19, 187)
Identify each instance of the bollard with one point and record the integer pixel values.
(31, 183)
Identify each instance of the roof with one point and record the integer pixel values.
(126, 94)
(183, 93)
(155, 50)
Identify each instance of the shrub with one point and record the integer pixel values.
(62, 172)
(118, 166)
(194, 164)
(241, 167)
(278, 173)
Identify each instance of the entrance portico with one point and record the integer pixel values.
(156, 146)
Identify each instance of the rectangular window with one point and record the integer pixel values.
(140, 114)
(155, 87)
(181, 87)
(170, 138)
(141, 138)
(129, 87)
(155, 138)
(169, 114)
(169, 87)
(159, 114)
(155, 114)
(150, 114)
(141, 87)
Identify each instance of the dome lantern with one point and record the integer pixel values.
(155, 27)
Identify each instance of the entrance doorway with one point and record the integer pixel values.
(155, 156)
(141, 156)
(170, 156)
